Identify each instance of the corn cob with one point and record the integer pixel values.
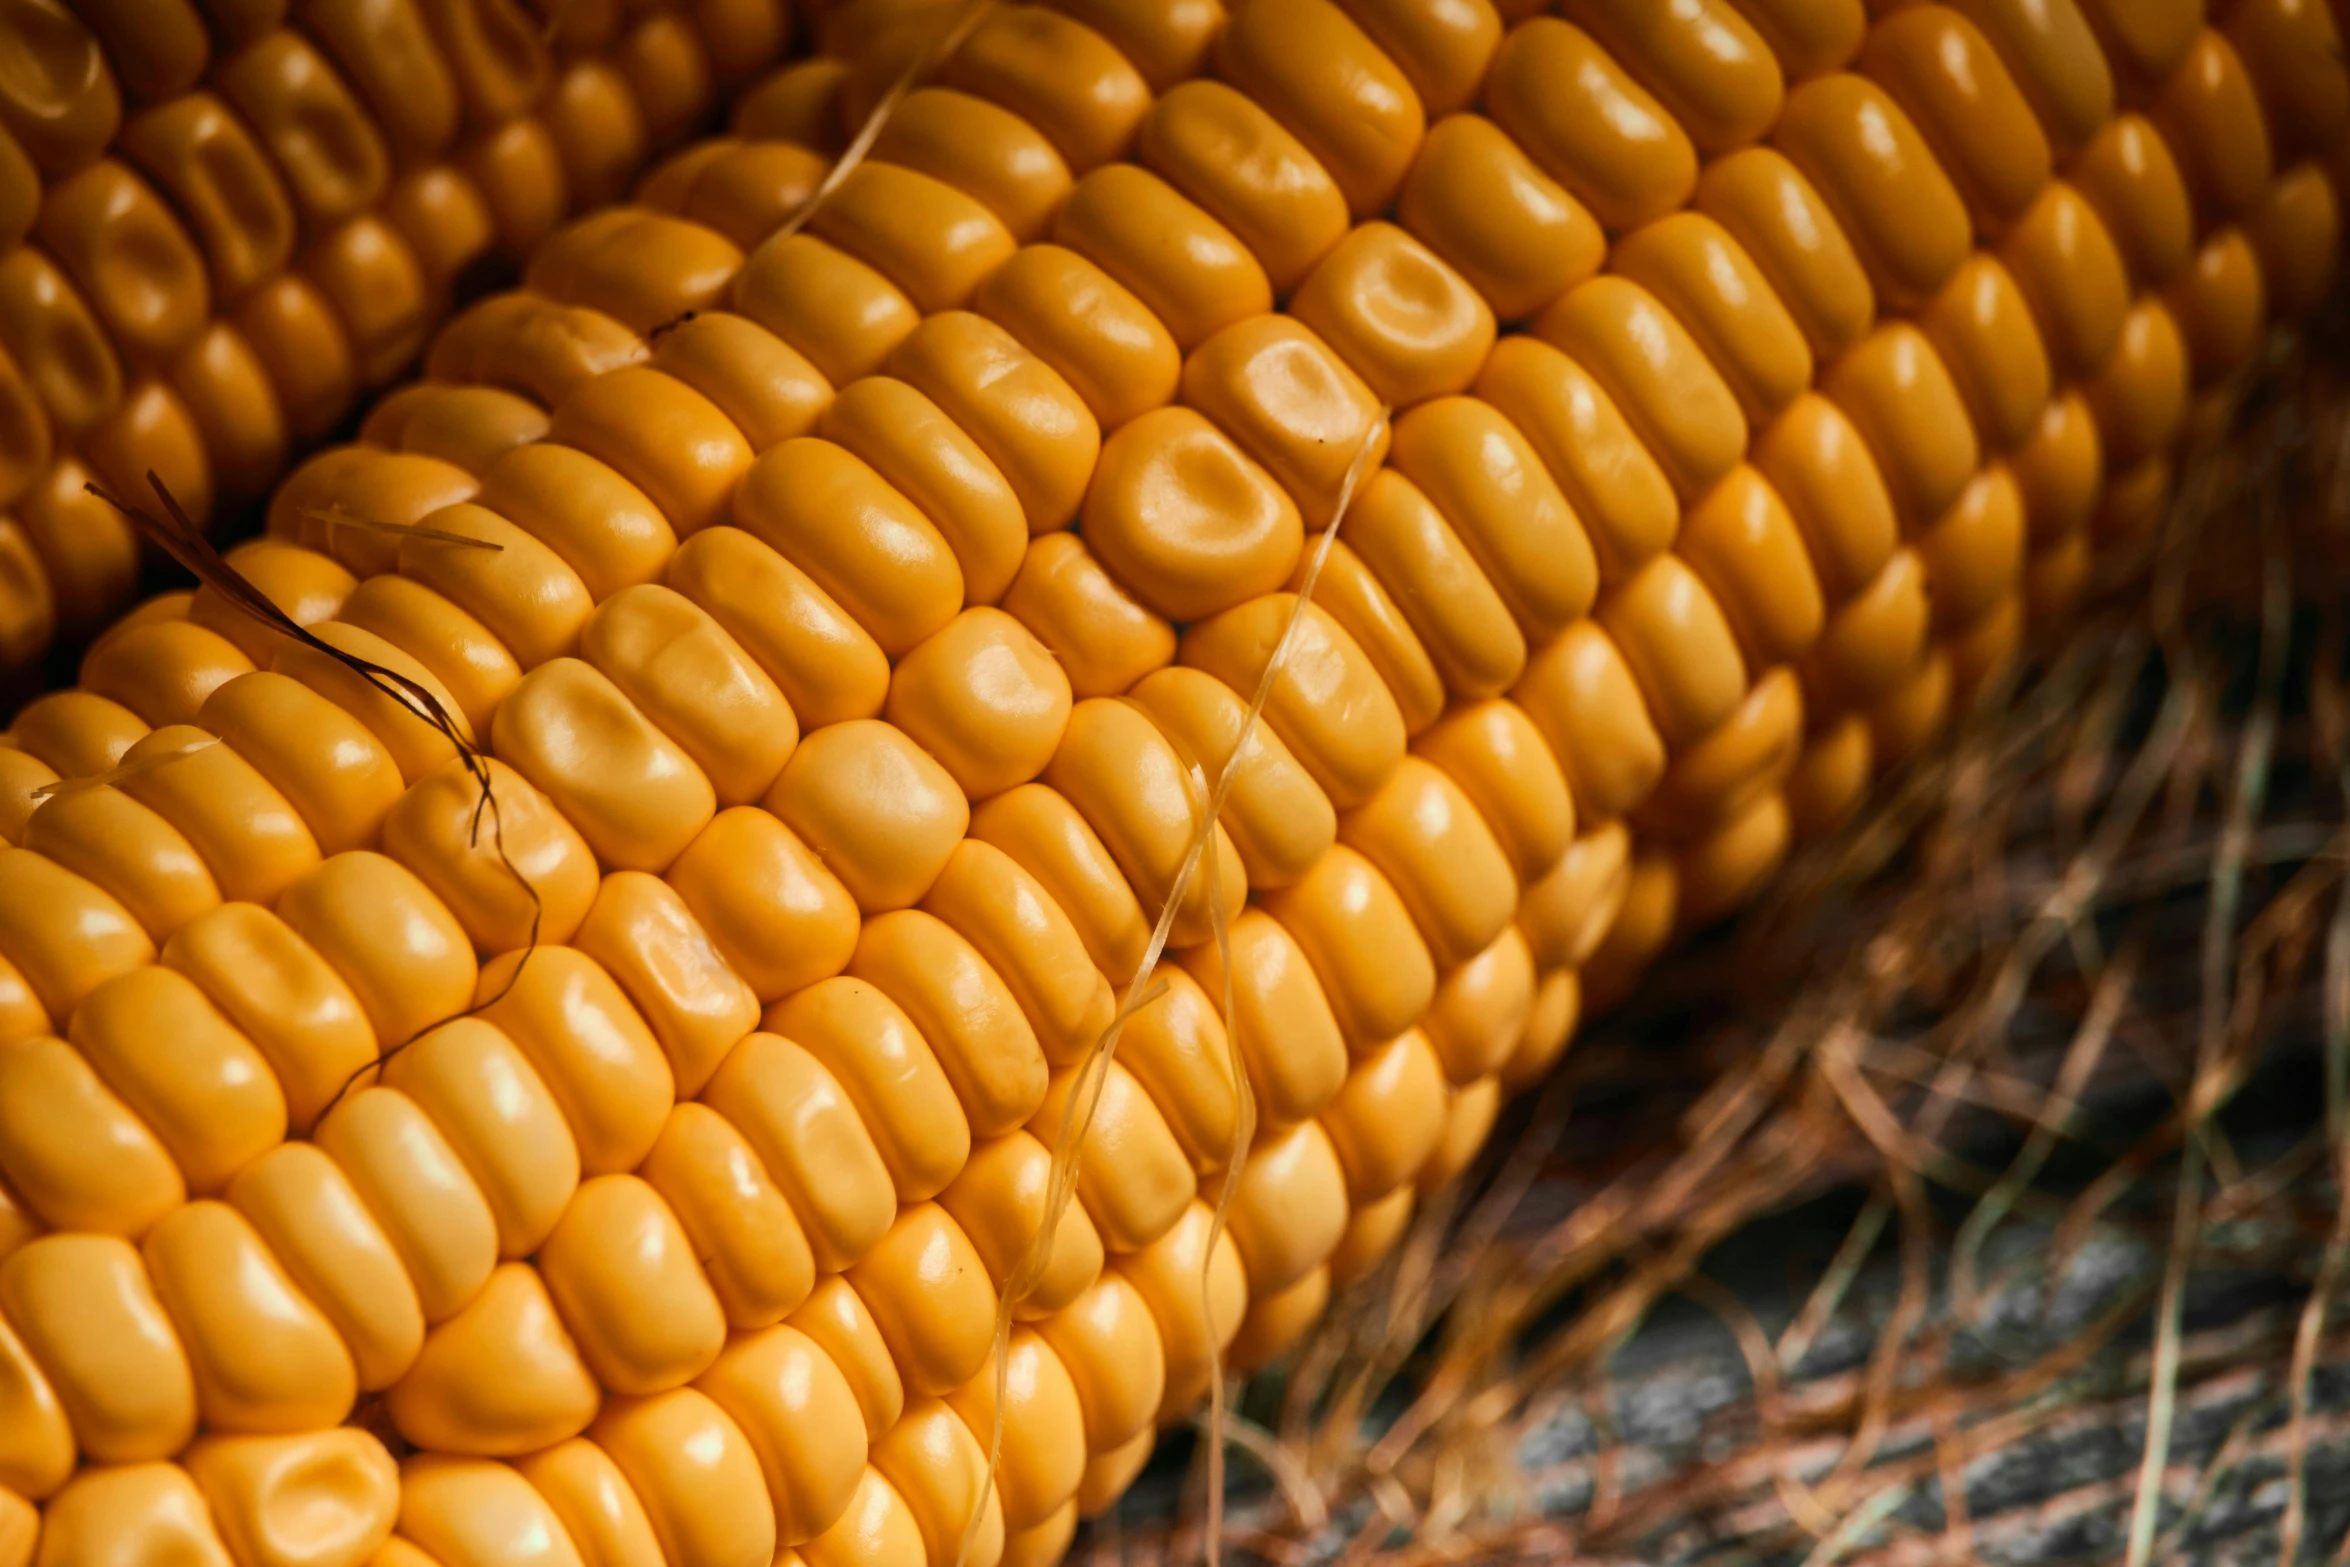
(219, 225)
(846, 775)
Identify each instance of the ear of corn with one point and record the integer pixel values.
(846, 658)
(221, 224)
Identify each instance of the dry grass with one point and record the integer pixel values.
(2011, 1012)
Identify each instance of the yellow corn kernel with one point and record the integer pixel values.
(1192, 1332)
(1550, 1028)
(1441, 858)
(642, 934)
(926, 1288)
(1134, 1179)
(488, 1100)
(806, 1131)
(1409, 324)
(1277, 1322)
(417, 1189)
(1135, 226)
(408, 962)
(1333, 711)
(938, 1468)
(1372, 1232)
(77, 733)
(1290, 1040)
(836, 1319)
(1040, 831)
(623, 1275)
(129, 1513)
(323, 1496)
(1044, 1543)
(1278, 391)
(266, 1361)
(998, 1201)
(1468, 1117)
(1028, 421)
(210, 1096)
(962, 1008)
(662, 436)
(877, 1529)
(471, 664)
(320, 1229)
(1751, 751)
(1290, 1208)
(73, 1151)
(474, 1509)
(343, 789)
(1480, 1007)
(925, 456)
(2071, 273)
(1386, 1120)
(37, 1449)
(599, 1062)
(499, 1379)
(87, 1313)
(978, 147)
(823, 662)
(1023, 60)
(890, 1075)
(1278, 819)
(1604, 137)
(632, 792)
(594, 1502)
(1177, 1050)
(1363, 608)
(524, 874)
(1119, 773)
(802, 1418)
(247, 834)
(1872, 642)
(1110, 1346)
(163, 670)
(828, 513)
(1224, 151)
(127, 851)
(875, 807)
(1043, 1454)
(741, 1229)
(521, 592)
(1359, 937)
(1102, 637)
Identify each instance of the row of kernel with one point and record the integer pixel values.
(548, 957)
(2199, 318)
(1122, 474)
(2060, 256)
(450, 1344)
(482, 1335)
(279, 82)
(273, 147)
(779, 487)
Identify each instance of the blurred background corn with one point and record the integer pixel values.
(222, 223)
(1761, 372)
